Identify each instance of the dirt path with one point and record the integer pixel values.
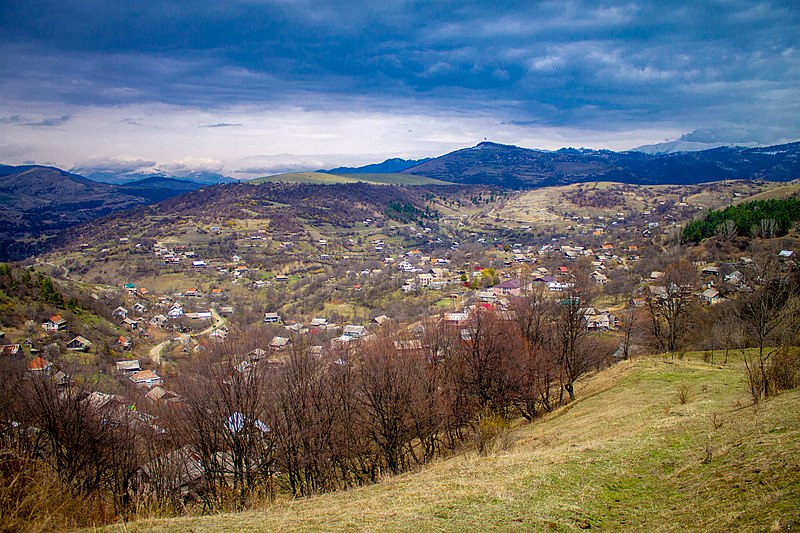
(155, 351)
(216, 323)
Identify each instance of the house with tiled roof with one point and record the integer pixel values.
(55, 323)
(40, 366)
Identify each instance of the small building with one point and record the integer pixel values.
(55, 323)
(146, 378)
(124, 342)
(128, 367)
(161, 395)
(455, 319)
(40, 366)
(10, 350)
(319, 323)
(279, 344)
(79, 344)
(711, 296)
(354, 331)
(120, 312)
(424, 280)
(272, 318)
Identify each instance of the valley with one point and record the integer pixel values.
(395, 326)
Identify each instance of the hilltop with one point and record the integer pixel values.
(651, 444)
(329, 178)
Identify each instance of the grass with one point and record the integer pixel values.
(626, 455)
(328, 179)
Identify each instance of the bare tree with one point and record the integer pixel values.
(568, 341)
(726, 231)
(671, 305)
(767, 228)
(768, 314)
(223, 417)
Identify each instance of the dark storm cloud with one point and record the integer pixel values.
(724, 65)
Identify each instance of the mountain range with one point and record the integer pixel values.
(38, 201)
(523, 168)
(389, 166)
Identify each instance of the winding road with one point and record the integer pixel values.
(217, 322)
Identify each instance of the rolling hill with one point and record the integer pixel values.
(511, 166)
(632, 453)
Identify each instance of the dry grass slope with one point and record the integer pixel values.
(629, 454)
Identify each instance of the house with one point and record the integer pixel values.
(130, 324)
(219, 334)
(279, 344)
(192, 291)
(199, 264)
(124, 342)
(424, 280)
(381, 320)
(40, 366)
(146, 378)
(227, 310)
(487, 296)
(79, 344)
(598, 322)
(55, 323)
(159, 321)
(128, 367)
(511, 287)
(217, 293)
(272, 318)
(61, 379)
(786, 254)
(319, 323)
(354, 331)
(139, 307)
(10, 350)
(455, 319)
(409, 346)
(710, 271)
(281, 278)
(599, 278)
(711, 296)
(161, 395)
(120, 312)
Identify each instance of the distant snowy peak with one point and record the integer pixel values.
(673, 147)
(116, 177)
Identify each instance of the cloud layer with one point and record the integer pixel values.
(230, 75)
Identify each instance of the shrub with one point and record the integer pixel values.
(493, 433)
(684, 393)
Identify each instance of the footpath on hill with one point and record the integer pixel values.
(651, 444)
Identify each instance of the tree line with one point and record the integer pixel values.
(757, 218)
(242, 427)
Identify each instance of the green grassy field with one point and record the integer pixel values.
(629, 454)
(328, 179)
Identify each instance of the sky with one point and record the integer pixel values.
(254, 87)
